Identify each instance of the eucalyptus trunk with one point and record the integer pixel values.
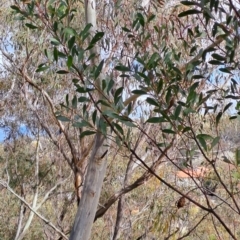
(97, 162)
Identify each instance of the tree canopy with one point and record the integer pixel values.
(121, 119)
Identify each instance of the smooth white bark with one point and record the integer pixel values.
(97, 161)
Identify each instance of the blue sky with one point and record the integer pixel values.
(2, 135)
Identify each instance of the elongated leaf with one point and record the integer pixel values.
(169, 131)
(84, 90)
(218, 117)
(215, 62)
(83, 99)
(225, 70)
(62, 72)
(96, 38)
(186, 129)
(94, 117)
(71, 42)
(54, 42)
(85, 30)
(177, 112)
(126, 29)
(123, 68)
(189, 12)
(63, 118)
(139, 92)
(102, 126)
(152, 101)
(218, 57)
(69, 61)
(215, 142)
(42, 68)
(119, 128)
(118, 92)
(190, 3)
(202, 142)
(205, 136)
(237, 156)
(87, 133)
(227, 106)
(74, 102)
(16, 8)
(29, 25)
(156, 120)
(99, 69)
(81, 124)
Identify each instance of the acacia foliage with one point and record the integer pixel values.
(166, 79)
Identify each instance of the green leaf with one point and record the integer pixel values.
(62, 118)
(16, 8)
(94, 116)
(215, 62)
(69, 31)
(81, 124)
(110, 85)
(139, 92)
(225, 70)
(128, 123)
(152, 101)
(55, 54)
(29, 25)
(54, 42)
(42, 68)
(202, 142)
(188, 3)
(186, 129)
(205, 136)
(84, 90)
(122, 68)
(237, 156)
(85, 30)
(98, 36)
(189, 12)
(169, 131)
(104, 103)
(118, 127)
(62, 72)
(177, 112)
(232, 97)
(227, 106)
(118, 92)
(83, 99)
(86, 133)
(69, 61)
(160, 86)
(218, 57)
(225, 159)
(117, 95)
(188, 110)
(74, 102)
(218, 117)
(48, 54)
(141, 19)
(156, 120)
(126, 29)
(99, 69)
(197, 76)
(215, 142)
(71, 42)
(194, 86)
(102, 126)
(151, 17)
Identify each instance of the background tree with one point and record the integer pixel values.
(139, 83)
